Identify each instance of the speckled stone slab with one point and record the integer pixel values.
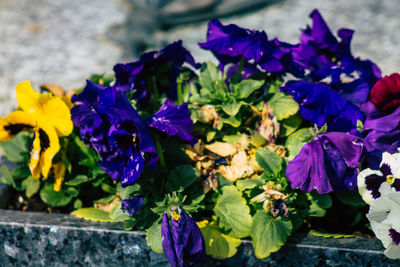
(37, 239)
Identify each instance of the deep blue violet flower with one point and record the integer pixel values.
(381, 130)
(331, 60)
(229, 43)
(132, 205)
(182, 240)
(321, 104)
(173, 120)
(109, 124)
(156, 69)
(328, 163)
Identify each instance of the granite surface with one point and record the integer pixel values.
(37, 239)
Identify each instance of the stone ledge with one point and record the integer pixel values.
(39, 239)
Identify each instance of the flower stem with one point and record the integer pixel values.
(179, 91)
(160, 153)
(154, 88)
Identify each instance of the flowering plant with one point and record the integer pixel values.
(273, 139)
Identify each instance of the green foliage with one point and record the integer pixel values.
(283, 105)
(351, 197)
(296, 140)
(128, 191)
(289, 125)
(31, 186)
(245, 88)
(92, 214)
(319, 204)
(117, 214)
(182, 176)
(16, 150)
(269, 161)
(269, 234)
(57, 199)
(232, 212)
(249, 183)
(153, 237)
(218, 245)
(6, 176)
(328, 235)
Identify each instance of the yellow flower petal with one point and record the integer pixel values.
(58, 115)
(15, 122)
(45, 108)
(45, 147)
(27, 98)
(59, 174)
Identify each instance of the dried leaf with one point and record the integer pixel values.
(222, 149)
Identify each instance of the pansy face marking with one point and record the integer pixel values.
(369, 181)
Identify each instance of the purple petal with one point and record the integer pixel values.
(168, 242)
(173, 120)
(132, 205)
(327, 164)
(132, 169)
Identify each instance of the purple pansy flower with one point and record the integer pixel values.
(132, 205)
(326, 57)
(229, 43)
(182, 240)
(109, 124)
(156, 68)
(381, 130)
(321, 104)
(328, 163)
(173, 120)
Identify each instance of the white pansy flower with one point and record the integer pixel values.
(384, 217)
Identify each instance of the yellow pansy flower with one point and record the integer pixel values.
(48, 116)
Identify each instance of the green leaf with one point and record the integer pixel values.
(289, 125)
(246, 87)
(269, 161)
(269, 234)
(232, 121)
(182, 176)
(128, 191)
(210, 136)
(274, 87)
(79, 179)
(209, 74)
(92, 214)
(31, 186)
(108, 188)
(283, 105)
(105, 200)
(352, 198)
(233, 214)
(153, 237)
(6, 176)
(249, 183)
(78, 204)
(117, 214)
(57, 199)
(232, 109)
(218, 245)
(319, 204)
(21, 172)
(295, 141)
(16, 150)
(257, 140)
(324, 234)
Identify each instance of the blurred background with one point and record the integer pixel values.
(65, 41)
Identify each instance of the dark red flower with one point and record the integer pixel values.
(386, 93)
